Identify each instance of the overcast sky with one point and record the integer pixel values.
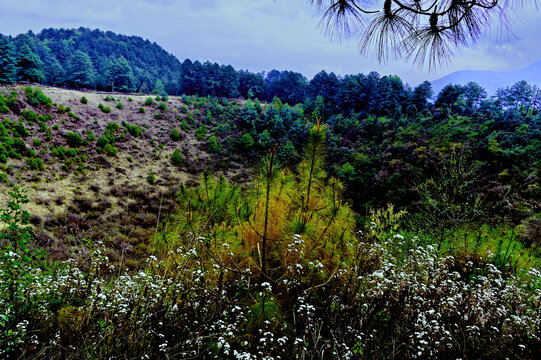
(259, 35)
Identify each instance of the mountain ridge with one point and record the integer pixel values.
(490, 80)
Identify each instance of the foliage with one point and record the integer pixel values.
(73, 139)
(176, 158)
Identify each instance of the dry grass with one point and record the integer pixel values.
(54, 192)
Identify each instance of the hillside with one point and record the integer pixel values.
(491, 80)
(95, 195)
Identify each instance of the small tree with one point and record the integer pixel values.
(176, 158)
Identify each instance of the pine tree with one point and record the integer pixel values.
(29, 65)
(7, 62)
(119, 75)
(80, 70)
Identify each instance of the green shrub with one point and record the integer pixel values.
(84, 100)
(73, 139)
(105, 109)
(149, 101)
(110, 150)
(72, 115)
(134, 130)
(151, 178)
(35, 163)
(158, 116)
(130, 99)
(30, 116)
(102, 141)
(176, 158)
(201, 133)
(21, 130)
(162, 106)
(184, 125)
(61, 109)
(119, 106)
(36, 142)
(56, 127)
(37, 97)
(90, 136)
(142, 110)
(175, 135)
(213, 145)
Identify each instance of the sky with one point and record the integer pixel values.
(261, 35)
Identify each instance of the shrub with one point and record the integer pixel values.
(35, 163)
(90, 136)
(175, 135)
(36, 142)
(149, 101)
(110, 150)
(158, 116)
(162, 106)
(119, 106)
(21, 130)
(134, 130)
(37, 97)
(105, 109)
(201, 132)
(142, 110)
(61, 109)
(84, 100)
(30, 116)
(72, 115)
(176, 158)
(213, 145)
(102, 141)
(73, 139)
(151, 178)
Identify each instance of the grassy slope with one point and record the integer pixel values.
(113, 200)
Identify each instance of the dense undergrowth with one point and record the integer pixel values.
(281, 270)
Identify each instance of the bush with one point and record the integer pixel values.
(35, 163)
(105, 109)
(162, 106)
(149, 101)
(36, 142)
(102, 141)
(175, 135)
(73, 139)
(119, 106)
(213, 145)
(37, 97)
(158, 116)
(21, 130)
(176, 158)
(84, 100)
(134, 130)
(201, 133)
(90, 136)
(142, 110)
(151, 178)
(30, 116)
(110, 150)
(72, 115)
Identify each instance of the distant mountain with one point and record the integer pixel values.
(491, 80)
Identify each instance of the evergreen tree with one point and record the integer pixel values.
(29, 65)
(119, 75)
(80, 70)
(7, 62)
